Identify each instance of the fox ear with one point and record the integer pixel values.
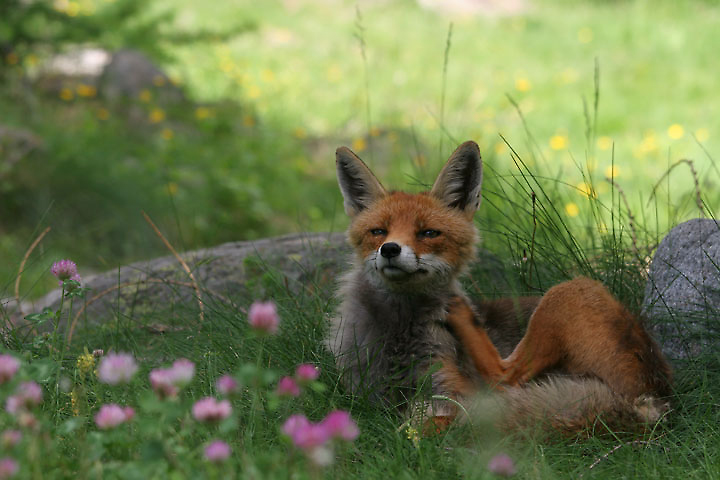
(358, 185)
(459, 182)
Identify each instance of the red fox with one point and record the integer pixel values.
(405, 328)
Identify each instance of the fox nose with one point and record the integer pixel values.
(390, 250)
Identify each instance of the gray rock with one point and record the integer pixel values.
(226, 274)
(116, 76)
(129, 72)
(230, 274)
(682, 295)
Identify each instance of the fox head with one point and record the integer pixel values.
(413, 241)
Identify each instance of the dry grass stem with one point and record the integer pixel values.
(22, 268)
(631, 217)
(615, 449)
(201, 306)
(696, 181)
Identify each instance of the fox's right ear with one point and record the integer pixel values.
(358, 185)
(460, 181)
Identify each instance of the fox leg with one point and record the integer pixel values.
(580, 327)
(475, 341)
(450, 387)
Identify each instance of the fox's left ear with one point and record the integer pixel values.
(459, 182)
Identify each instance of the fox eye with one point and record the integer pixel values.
(429, 233)
(378, 231)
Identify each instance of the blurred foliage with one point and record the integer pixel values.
(246, 149)
(29, 28)
(41, 27)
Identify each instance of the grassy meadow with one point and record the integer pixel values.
(597, 127)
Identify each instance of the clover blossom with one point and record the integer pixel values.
(208, 409)
(263, 317)
(111, 415)
(8, 367)
(307, 372)
(288, 387)
(315, 439)
(116, 368)
(218, 451)
(227, 386)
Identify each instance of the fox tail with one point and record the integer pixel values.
(568, 406)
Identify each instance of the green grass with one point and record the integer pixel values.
(281, 98)
(685, 444)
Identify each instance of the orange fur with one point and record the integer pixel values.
(580, 328)
(403, 215)
(476, 342)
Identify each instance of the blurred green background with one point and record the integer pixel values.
(229, 134)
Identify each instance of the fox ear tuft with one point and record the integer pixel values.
(460, 181)
(358, 185)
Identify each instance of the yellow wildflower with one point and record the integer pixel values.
(253, 92)
(648, 144)
(73, 8)
(74, 403)
(586, 190)
(522, 84)
(702, 134)
(84, 90)
(500, 147)
(559, 142)
(202, 113)
(375, 132)
(359, 144)
(300, 133)
(226, 65)
(572, 209)
(413, 435)
(333, 74)
(167, 134)
(66, 94)
(248, 121)
(85, 363)
(675, 131)
(172, 188)
(567, 76)
(612, 171)
(145, 95)
(585, 35)
(159, 81)
(157, 115)
(103, 114)
(604, 143)
(267, 75)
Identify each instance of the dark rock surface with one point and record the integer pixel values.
(682, 296)
(222, 273)
(130, 72)
(230, 274)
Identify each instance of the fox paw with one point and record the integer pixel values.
(436, 425)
